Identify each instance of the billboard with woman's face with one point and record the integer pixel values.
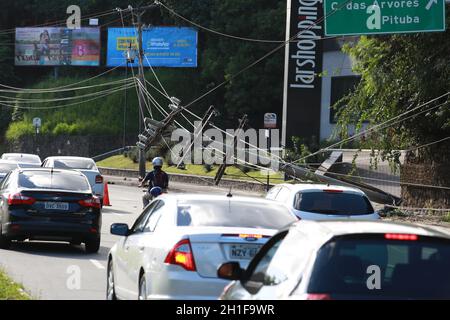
(57, 46)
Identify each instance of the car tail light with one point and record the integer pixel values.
(18, 199)
(182, 255)
(318, 296)
(98, 179)
(399, 236)
(332, 191)
(93, 202)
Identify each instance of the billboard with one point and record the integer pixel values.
(163, 46)
(302, 97)
(57, 47)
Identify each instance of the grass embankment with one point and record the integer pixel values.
(10, 290)
(121, 162)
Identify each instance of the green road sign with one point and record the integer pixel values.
(358, 17)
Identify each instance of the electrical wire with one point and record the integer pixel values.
(59, 22)
(379, 126)
(228, 35)
(67, 105)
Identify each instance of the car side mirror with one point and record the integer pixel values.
(120, 229)
(230, 271)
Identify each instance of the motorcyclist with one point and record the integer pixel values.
(157, 178)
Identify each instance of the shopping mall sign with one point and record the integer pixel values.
(344, 17)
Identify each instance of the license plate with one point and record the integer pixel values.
(242, 251)
(56, 206)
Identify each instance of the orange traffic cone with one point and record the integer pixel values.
(106, 196)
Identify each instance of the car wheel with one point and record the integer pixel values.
(142, 288)
(110, 291)
(5, 243)
(92, 246)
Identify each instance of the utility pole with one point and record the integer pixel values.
(141, 79)
(138, 13)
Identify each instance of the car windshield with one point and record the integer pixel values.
(402, 268)
(228, 213)
(86, 164)
(338, 203)
(56, 180)
(6, 167)
(24, 158)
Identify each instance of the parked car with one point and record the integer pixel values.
(323, 260)
(321, 201)
(49, 205)
(25, 160)
(7, 166)
(175, 246)
(86, 166)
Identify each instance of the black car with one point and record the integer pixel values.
(49, 205)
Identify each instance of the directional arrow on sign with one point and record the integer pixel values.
(430, 4)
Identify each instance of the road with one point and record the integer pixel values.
(58, 271)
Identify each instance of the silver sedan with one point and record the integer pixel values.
(175, 246)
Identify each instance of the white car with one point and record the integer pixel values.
(7, 166)
(346, 260)
(86, 166)
(175, 246)
(25, 160)
(324, 202)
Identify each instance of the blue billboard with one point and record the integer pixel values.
(163, 47)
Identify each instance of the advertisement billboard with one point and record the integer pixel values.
(163, 47)
(52, 46)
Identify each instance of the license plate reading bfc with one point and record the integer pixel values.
(56, 206)
(238, 251)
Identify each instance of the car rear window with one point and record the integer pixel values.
(233, 214)
(6, 167)
(339, 203)
(86, 164)
(22, 158)
(408, 269)
(55, 180)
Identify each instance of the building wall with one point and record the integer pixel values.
(335, 64)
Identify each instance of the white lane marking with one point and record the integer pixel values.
(97, 264)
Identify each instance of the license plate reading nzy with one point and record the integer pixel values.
(57, 206)
(243, 251)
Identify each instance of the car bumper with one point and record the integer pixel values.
(51, 231)
(175, 284)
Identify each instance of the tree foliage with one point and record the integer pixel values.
(254, 92)
(399, 73)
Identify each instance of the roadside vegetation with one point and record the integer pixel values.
(122, 162)
(9, 290)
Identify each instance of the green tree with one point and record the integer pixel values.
(399, 73)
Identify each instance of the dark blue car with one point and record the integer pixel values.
(49, 205)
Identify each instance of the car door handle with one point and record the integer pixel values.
(141, 249)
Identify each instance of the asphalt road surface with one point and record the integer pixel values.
(58, 271)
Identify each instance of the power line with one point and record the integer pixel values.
(61, 90)
(230, 78)
(109, 92)
(59, 22)
(225, 34)
(24, 90)
(377, 127)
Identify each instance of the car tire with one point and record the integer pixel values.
(110, 289)
(92, 246)
(142, 288)
(5, 243)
